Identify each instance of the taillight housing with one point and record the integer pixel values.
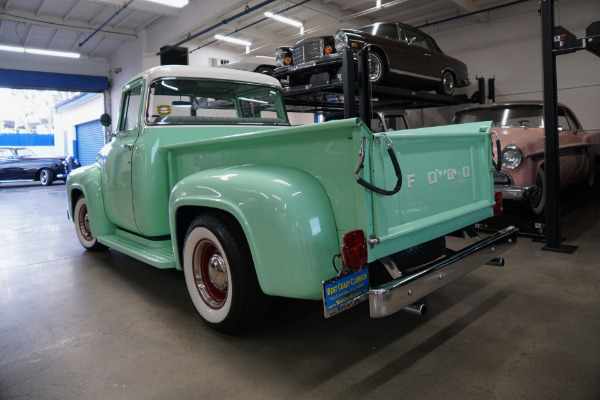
(354, 249)
(498, 206)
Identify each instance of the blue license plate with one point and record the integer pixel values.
(341, 293)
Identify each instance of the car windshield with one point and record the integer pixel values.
(209, 102)
(529, 116)
(24, 153)
(384, 30)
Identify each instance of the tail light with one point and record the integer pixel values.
(354, 249)
(498, 206)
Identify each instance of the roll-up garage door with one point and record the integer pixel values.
(90, 139)
(18, 79)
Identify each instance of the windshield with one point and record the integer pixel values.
(520, 115)
(209, 102)
(24, 153)
(531, 116)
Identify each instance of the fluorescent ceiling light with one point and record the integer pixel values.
(42, 52)
(285, 20)
(171, 3)
(233, 40)
(53, 53)
(12, 48)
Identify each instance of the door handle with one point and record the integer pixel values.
(127, 146)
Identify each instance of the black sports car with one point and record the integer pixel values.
(400, 55)
(20, 163)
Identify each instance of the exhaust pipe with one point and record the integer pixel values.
(416, 308)
(496, 262)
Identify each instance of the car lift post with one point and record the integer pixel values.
(364, 87)
(551, 164)
(349, 84)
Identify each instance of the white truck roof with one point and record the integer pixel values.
(188, 71)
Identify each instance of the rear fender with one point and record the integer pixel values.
(87, 181)
(285, 215)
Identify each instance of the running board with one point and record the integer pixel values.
(156, 253)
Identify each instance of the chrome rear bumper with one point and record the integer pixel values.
(395, 295)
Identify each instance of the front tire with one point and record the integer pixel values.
(46, 177)
(82, 226)
(447, 84)
(537, 200)
(377, 68)
(220, 275)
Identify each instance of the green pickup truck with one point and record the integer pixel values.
(205, 175)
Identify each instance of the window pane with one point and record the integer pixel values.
(131, 108)
(197, 101)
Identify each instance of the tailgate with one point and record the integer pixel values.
(446, 184)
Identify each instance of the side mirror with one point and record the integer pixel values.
(105, 120)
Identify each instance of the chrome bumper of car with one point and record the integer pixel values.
(323, 62)
(503, 183)
(396, 295)
(515, 192)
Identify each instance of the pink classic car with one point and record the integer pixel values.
(520, 127)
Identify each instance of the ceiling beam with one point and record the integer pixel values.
(39, 9)
(469, 6)
(66, 17)
(58, 23)
(53, 39)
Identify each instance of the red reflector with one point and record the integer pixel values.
(499, 206)
(354, 249)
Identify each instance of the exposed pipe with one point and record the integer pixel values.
(106, 22)
(225, 21)
(419, 309)
(472, 13)
(252, 24)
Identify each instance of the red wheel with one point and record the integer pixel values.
(210, 274)
(82, 226)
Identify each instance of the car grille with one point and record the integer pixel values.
(307, 50)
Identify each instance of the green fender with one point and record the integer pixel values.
(88, 181)
(285, 214)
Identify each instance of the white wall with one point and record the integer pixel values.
(66, 120)
(508, 47)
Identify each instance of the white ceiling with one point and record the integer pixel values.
(64, 25)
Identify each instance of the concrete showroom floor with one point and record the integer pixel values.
(82, 325)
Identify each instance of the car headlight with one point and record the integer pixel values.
(511, 156)
(341, 41)
(282, 57)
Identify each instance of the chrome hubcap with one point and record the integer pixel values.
(210, 274)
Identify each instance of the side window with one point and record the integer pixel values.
(131, 109)
(417, 39)
(563, 121)
(388, 31)
(567, 120)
